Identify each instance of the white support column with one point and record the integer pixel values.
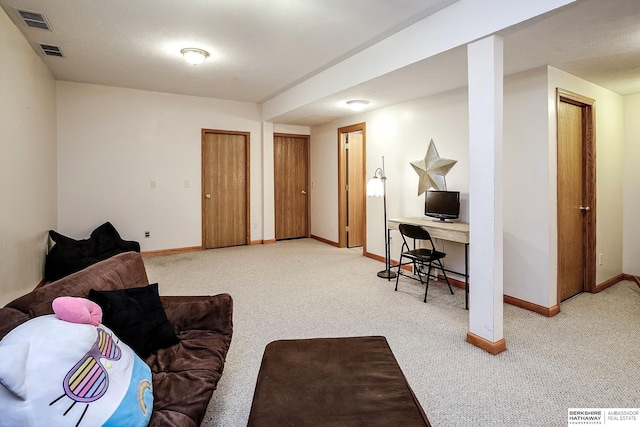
(268, 198)
(485, 66)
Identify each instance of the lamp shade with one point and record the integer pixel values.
(375, 187)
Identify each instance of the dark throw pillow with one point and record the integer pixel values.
(137, 317)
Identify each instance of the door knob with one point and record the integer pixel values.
(207, 196)
(304, 192)
(585, 208)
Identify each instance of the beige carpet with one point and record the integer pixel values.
(586, 356)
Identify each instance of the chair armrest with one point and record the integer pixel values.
(212, 313)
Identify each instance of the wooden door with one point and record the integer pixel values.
(355, 190)
(351, 186)
(291, 177)
(576, 198)
(225, 188)
(570, 239)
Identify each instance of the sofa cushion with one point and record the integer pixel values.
(191, 368)
(210, 313)
(137, 317)
(121, 271)
(9, 319)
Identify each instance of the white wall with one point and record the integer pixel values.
(530, 236)
(401, 134)
(113, 142)
(527, 183)
(609, 113)
(530, 182)
(631, 186)
(324, 181)
(291, 129)
(27, 162)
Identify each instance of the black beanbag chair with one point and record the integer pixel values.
(69, 255)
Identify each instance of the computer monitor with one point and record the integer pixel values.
(442, 205)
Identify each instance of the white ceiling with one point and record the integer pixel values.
(260, 48)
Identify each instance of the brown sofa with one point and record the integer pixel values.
(185, 374)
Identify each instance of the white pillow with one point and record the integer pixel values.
(57, 373)
(13, 368)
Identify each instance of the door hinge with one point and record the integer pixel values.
(346, 145)
(346, 229)
(346, 187)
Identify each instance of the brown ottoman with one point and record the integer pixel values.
(333, 382)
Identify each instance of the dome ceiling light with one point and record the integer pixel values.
(357, 104)
(194, 56)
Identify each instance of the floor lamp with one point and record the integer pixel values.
(376, 187)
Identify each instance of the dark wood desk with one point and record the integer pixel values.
(451, 231)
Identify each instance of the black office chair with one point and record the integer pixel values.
(419, 256)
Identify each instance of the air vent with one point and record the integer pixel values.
(34, 19)
(51, 50)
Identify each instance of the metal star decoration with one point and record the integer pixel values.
(432, 169)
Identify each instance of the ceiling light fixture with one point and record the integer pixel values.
(357, 104)
(194, 56)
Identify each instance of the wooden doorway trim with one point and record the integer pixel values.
(587, 106)
(247, 139)
(307, 142)
(342, 180)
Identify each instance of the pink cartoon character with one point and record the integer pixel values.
(77, 310)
